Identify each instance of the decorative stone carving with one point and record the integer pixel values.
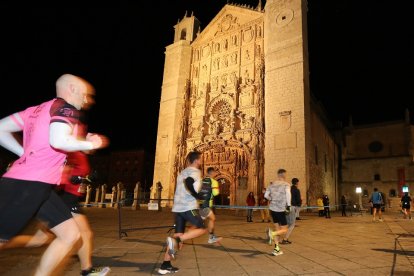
(248, 35)
(233, 58)
(234, 40)
(223, 82)
(206, 51)
(234, 80)
(225, 44)
(246, 77)
(284, 17)
(285, 120)
(225, 106)
(227, 23)
(225, 61)
(214, 83)
(216, 64)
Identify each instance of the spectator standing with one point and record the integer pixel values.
(250, 201)
(319, 202)
(344, 203)
(296, 202)
(263, 202)
(326, 206)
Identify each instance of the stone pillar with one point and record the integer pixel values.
(135, 204)
(88, 195)
(119, 188)
(103, 196)
(113, 196)
(97, 194)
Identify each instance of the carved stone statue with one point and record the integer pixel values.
(247, 79)
(213, 125)
(233, 58)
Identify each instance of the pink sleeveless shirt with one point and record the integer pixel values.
(40, 162)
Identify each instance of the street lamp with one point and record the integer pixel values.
(358, 190)
(405, 189)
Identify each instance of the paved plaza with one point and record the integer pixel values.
(338, 246)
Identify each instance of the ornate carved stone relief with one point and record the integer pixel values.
(228, 22)
(285, 120)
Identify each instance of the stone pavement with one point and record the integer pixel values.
(338, 246)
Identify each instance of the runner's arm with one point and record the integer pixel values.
(189, 184)
(8, 125)
(267, 194)
(60, 137)
(288, 196)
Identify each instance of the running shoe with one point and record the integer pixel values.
(172, 247)
(277, 252)
(285, 242)
(214, 239)
(96, 271)
(167, 269)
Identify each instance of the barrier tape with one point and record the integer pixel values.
(265, 207)
(101, 203)
(215, 206)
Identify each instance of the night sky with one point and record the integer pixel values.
(361, 59)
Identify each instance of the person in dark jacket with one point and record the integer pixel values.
(326, 206)
(250, 201)
(344, 203)
(406, 205)
(296, 203)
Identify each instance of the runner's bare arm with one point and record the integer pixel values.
(8, 126)
(60, 137)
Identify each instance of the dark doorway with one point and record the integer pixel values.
(224, 197)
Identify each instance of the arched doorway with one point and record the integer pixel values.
(224, 197)
(230, 161)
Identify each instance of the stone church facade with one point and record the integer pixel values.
(378, 156)
(238, 92)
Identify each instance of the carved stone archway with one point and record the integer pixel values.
(231, 161)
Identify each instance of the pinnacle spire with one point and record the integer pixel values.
(259, 6)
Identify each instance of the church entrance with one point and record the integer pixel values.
(230, 161)
(224, 197)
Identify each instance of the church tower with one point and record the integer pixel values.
(287, 96)
(238, 92)
(175, 80)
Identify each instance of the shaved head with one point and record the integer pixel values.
(75, 90)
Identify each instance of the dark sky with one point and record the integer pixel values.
(361, 59)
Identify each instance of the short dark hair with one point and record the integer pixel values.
(193, 156)
(280, 171)
(210, 169)
(295, 181)
(375, 189)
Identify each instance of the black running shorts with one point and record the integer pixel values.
(377, 206)
(72, 201)
(279, 217)
(22, 200)
(192, 217)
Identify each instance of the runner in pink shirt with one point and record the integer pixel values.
(26, 189)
